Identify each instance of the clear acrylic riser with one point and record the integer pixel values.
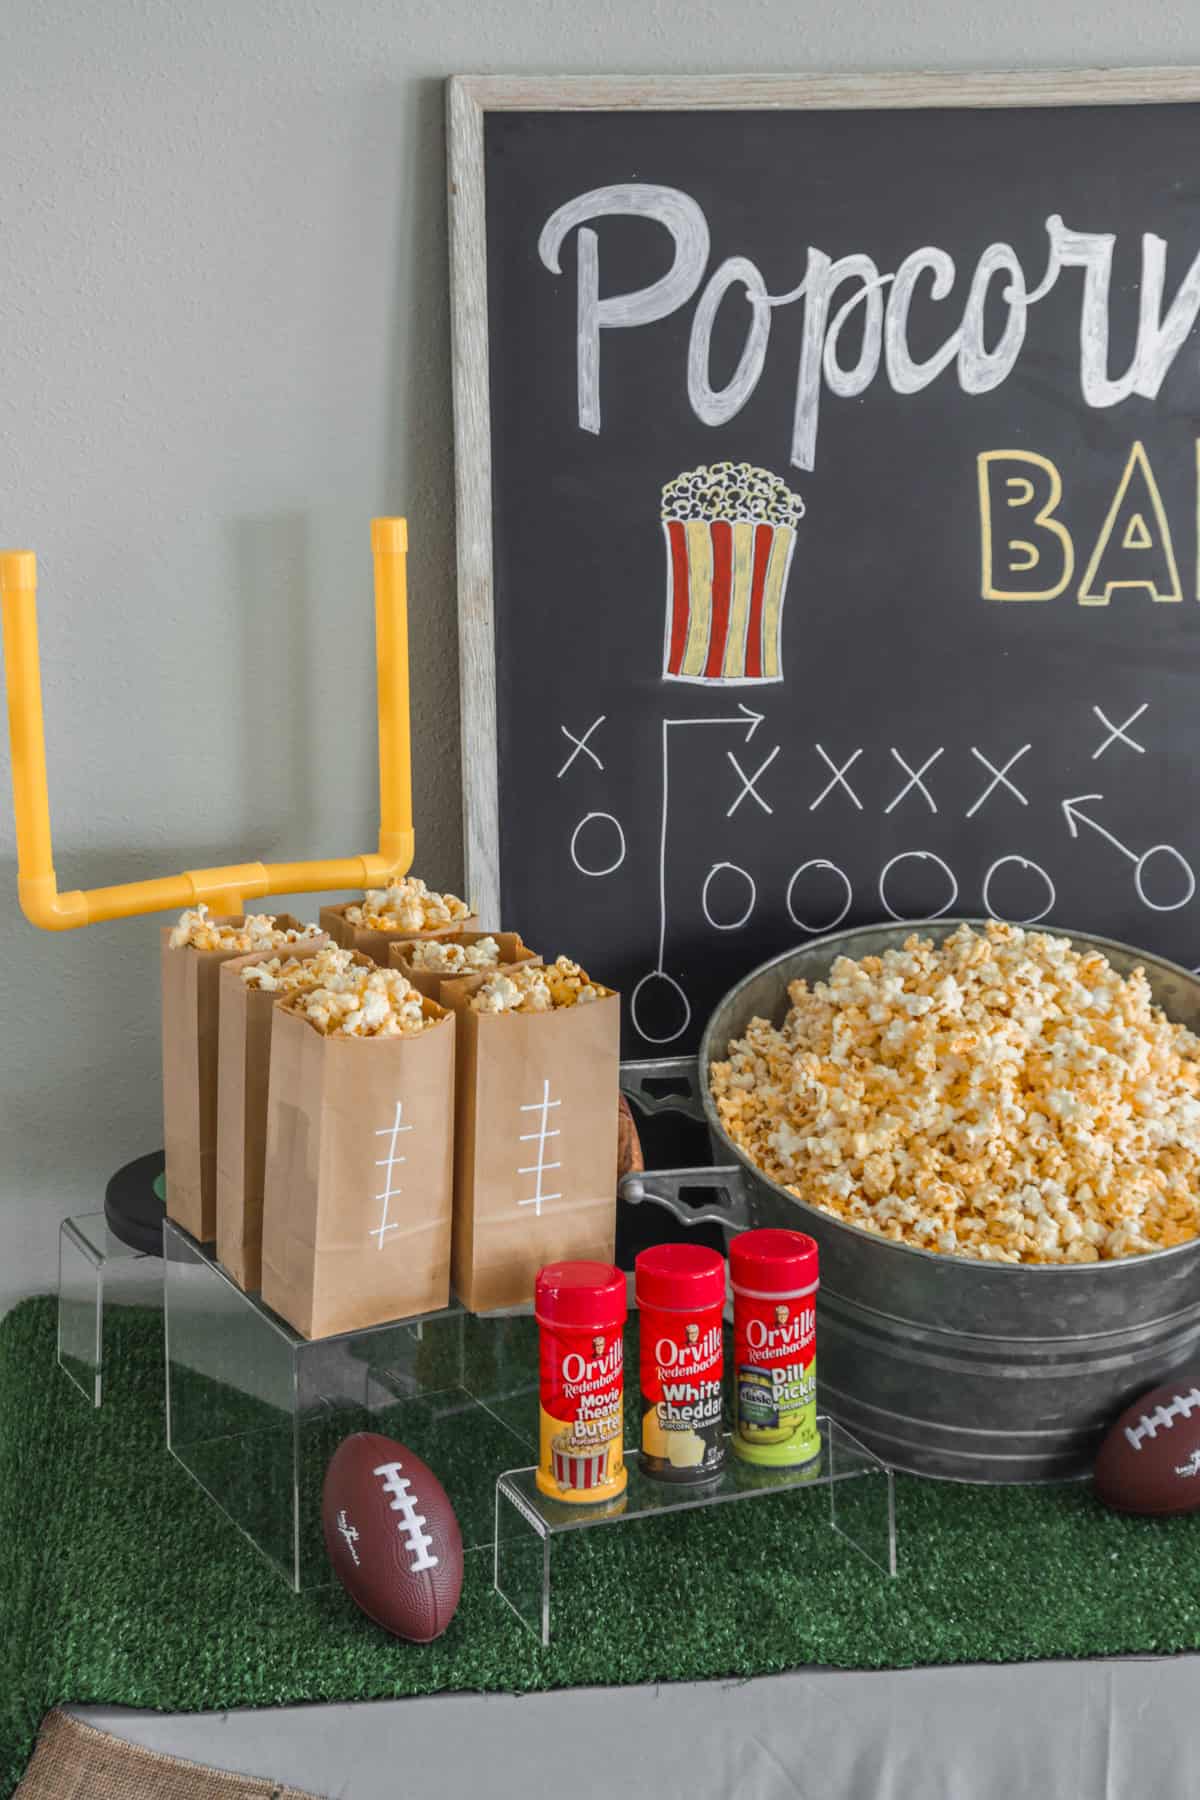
(255, 1411)
(96, 1272)
(860, 1490)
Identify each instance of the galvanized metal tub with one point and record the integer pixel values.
(945, 1366)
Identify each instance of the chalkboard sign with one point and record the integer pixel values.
(829, 497)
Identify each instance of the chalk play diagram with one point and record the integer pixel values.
(731, 537)
(819, 893)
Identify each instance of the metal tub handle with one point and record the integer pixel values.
(664, 1084)
(666, 1187)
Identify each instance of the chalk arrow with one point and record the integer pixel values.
(1075, 819)
(750, 721)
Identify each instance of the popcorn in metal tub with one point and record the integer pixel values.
(1003, 1096)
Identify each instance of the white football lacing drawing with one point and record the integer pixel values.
(417, 1542)
(541, 1138)
(1147, 1426)
(1191, 1466)
(387, 1164)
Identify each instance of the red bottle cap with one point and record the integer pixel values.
(683, 1277)
(773, 1262)
(585, 1296)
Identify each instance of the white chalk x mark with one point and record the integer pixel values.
(999, 778)
(749, 782)
(581, 744)
(839, 777)
(1118, 733)
(915, 781)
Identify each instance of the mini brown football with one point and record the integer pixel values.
(1150, 1460)
(392, 1536)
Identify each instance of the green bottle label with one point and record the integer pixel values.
(775, 1382)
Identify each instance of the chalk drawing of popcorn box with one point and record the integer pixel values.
(730, 531)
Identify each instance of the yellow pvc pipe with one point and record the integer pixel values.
(389, 544)
(225, 889)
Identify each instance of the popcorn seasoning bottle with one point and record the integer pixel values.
(681, 1299)
(774, 1333)
(580, 1309)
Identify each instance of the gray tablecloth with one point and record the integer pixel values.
(1127, 1730)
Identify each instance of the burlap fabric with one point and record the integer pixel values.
(74, 1761)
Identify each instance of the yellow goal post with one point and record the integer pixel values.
(225, 889)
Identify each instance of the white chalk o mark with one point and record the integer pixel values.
(729, 924)
(618, 859)
(819, 862)
(667, 1037)
(921, 856)
(1024, 863)
(1189, 877)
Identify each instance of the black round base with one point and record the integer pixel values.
(132, 1205)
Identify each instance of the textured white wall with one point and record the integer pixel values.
(223, 346)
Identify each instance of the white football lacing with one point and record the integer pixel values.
(1147, 1426)
(417, 1542)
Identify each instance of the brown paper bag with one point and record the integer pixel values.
(190, 1035)
(357, 1202)
(535, 1146)
(449, 990)
(378, 944)
(243, 1060)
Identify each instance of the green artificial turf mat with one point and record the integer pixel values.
(120, 1583)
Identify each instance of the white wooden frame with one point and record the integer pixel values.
(469, 99)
